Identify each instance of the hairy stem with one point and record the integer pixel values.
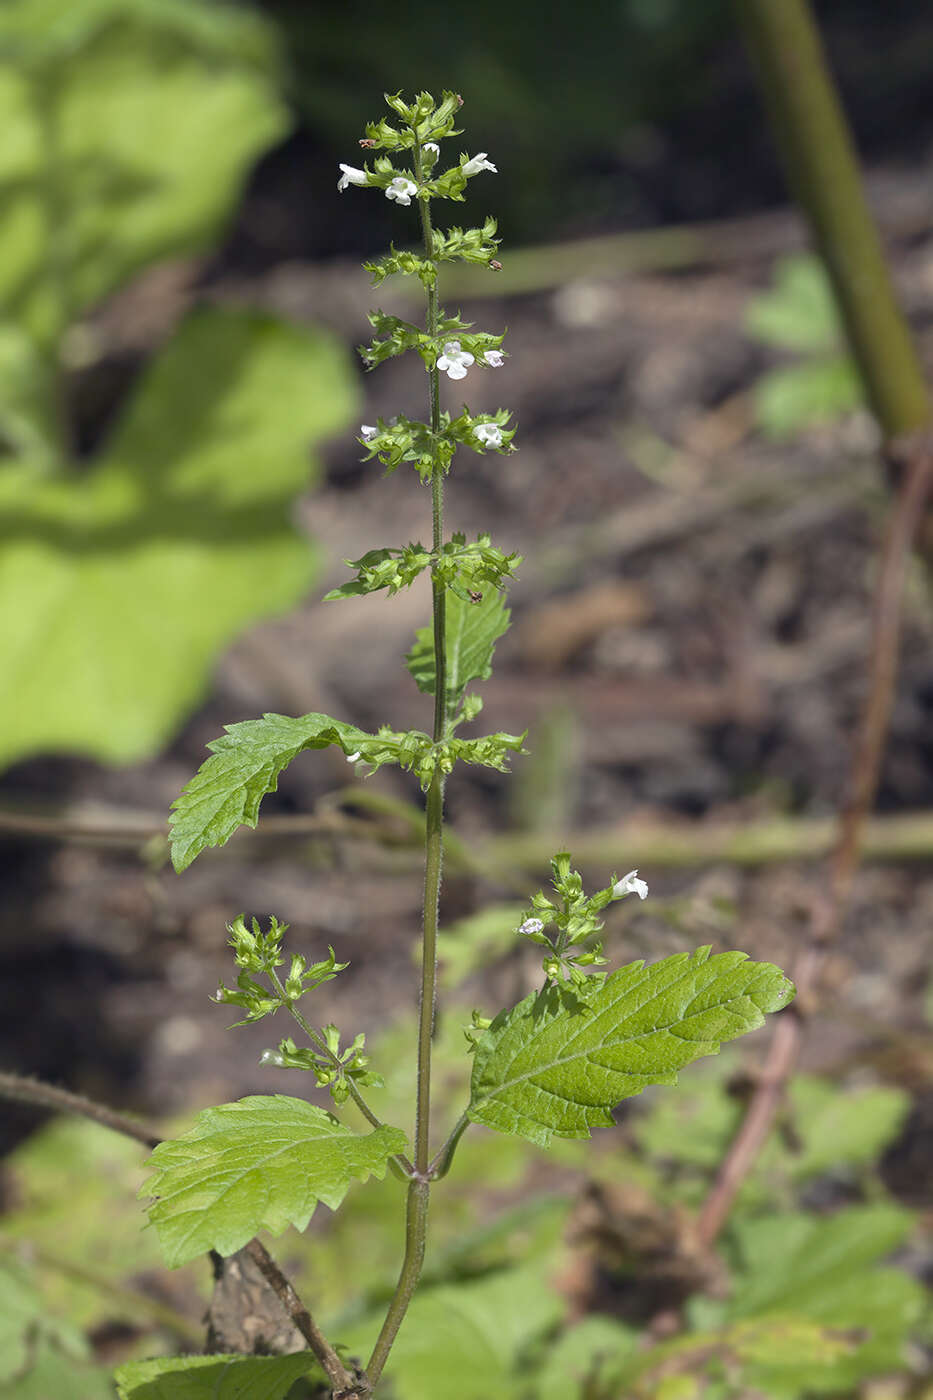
(416, 1215)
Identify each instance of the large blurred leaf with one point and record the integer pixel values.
(128, 128)
(120, 587)
(40, 1356)
(262, 1163)
(214, 1377)
(824, 1271)
(74, 1184)
(559, 1061)
(463, 1341)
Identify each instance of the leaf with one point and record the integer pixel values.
(581, 1354)
(129, 127)
(472, 632)
(227, 789)
(214, 1377)
(798, 396)
(41, 1355)
(261, 1163)
(51, 1373)
(463, 1341)
(824, 1271)
(799, 312)
(120, 588)
(558, 1062)
(810, 1260)
(74, 1183)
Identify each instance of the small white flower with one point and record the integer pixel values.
(454, 361)
(494, 358)
(352, 758)
(401, 190)
(433, 147)
(367, 433)
(630, 884)
(531, 926)
(489, 434)
(351, 176)
(478, 163)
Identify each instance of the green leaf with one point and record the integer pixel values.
(40, 1355)
(472, 632)
(51, 1373)
(463, 1341)
(799, 396)
(824, 1271)
(582, 1355)
(129, 127)
(214, 1377)
(810, 1260)
(74, 1183)
(227, 789)
(799, 313)
(120, 587)
(558, 1062)
(261, 1163)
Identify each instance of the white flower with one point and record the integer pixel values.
(489, 434)
(352, 757)
(478, 163)
(630, 884)
(367, 433)
(351, 176)
(454, 361)
(531, 926)
(433, 147)
(494, 358)
(401, 190)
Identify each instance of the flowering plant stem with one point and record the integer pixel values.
(416, 1219)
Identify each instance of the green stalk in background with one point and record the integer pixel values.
(820, 162)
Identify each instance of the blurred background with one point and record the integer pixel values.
(698, 500)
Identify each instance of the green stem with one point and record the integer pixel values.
(441, 1164)
(821, 166)
(416, 1215)
(416, 1223)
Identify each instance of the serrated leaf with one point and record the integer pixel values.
(214, 1377)
(558, 1063)
(472, 632)
(143, 120)
(119, 587)
(262, 1163)
(227, 789)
